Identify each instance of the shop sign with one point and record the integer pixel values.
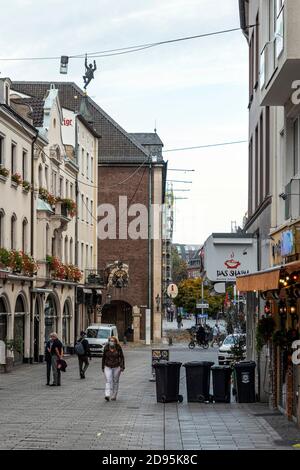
(226, 257)
(287, 243)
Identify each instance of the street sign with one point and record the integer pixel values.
(172, 291)
(202, 304)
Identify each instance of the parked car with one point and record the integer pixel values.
(97, 335)
(225, 356)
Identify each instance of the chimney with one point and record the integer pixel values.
(5, 85)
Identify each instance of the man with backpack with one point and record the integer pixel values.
(82, 349)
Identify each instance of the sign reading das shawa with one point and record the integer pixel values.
(229, 256)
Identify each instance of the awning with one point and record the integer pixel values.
(259, 281)
(87, 291)
(265, 280)
(98, 291)
(41, 290)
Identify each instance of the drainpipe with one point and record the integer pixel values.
(76, 307)
(150, 244)
(31, 336)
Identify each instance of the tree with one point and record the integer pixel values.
(179, 267)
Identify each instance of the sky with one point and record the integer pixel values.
(195, 91)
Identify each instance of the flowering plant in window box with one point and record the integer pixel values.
(57, 269)
(30, 267)
(70, 205)
(26, 185)
(73, 273)
(16, 261)
(5, 257)
(16, 178)
(4, 171)
(48, 197)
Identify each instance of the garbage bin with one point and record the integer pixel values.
(198, 380)
(245, 381)
(167, 375)
(221, 376)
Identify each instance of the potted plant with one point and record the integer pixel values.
(30, 266)
(26, 185)
(264, 331)
(16, 261)
(4, 171)
(48, 197)
(5, 258)
(70, 205)
(16, 178)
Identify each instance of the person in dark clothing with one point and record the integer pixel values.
(83, 359)
(113, 364)
(200, 335)
(56, 352)
(48, 359)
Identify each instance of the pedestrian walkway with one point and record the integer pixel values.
(76, 416)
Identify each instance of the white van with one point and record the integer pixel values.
(97, 335)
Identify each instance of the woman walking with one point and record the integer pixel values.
(112, 365)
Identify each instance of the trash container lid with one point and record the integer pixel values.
(174, 363)
(220, 367)
(240, 364)
(198, 364)
(160, 364)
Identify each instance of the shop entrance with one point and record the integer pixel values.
(19, 330)
(119, 313)
(3, 320)
(50, 316)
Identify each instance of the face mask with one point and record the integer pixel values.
(112, 344)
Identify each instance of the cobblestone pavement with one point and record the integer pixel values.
(76, 416)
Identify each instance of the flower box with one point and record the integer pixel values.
(16, 178)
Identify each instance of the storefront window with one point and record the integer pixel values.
(3, 321)
(66, 325)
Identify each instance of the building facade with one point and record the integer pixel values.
(274, 193)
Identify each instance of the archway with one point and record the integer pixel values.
(36, 326)
(66, 319)
(19, 329)
(3, 319)
(50, 316)
(118, 313)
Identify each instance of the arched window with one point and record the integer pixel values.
(25, 236)
(2, 227)
(13, 223)
(40, 176)
(71, 251)
(47, 240)
(66, 250)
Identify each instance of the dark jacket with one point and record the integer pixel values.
(56, 344)
(86, 345)
(47, 354)
(110, 359)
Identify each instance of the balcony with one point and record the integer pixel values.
(280, 58)
(95, 277)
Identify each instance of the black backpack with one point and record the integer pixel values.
(79, 348)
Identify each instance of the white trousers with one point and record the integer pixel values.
(112, 375)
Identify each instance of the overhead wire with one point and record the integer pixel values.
(130, 49)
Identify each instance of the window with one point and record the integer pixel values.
(47, 177)
(91, 261)
(54, 188)
(40, 176)
(82, 207)
(87, 210)
(6, 94)
(13, 232)
(92, 213)
(251, 67)
(92, 169)
(267, 171)
(1, 150)
(67, 188)
(61, 186)
(66, 247)
(257, 55)
(279, 27)
(24, 165)
(296, 147)
(261, 158)
(82, 254)
(256, 182)
(13, 158)
(1, 228)
(82, 161)
(87, 165)
(71, 251)
(25, 235)
(71, 191)
(47, 239)
(86, 256)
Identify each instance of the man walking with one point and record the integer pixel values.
(56, 352)
(82, 349)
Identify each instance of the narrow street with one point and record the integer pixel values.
(76, 416)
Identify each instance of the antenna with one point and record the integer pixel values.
(155, 126)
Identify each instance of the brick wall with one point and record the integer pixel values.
(133, 252)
